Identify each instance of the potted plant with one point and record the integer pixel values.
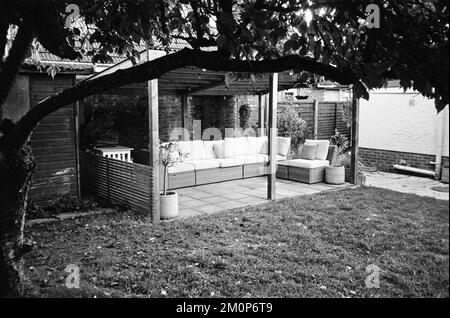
(444, 174)
(335, 174)
(340, 171)
(169, 155)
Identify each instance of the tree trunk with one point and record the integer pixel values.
(16, 169)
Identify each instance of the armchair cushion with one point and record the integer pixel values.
(322, 147)
(283, 145)
(309, 152)
(304, 163)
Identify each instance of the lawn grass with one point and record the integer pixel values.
(310, 246)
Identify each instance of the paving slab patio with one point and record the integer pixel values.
(408, 184)
(217, 197)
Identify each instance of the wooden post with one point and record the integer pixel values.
(355, 138)
(184, 115)
(272, 133)
(153, 147)
(316, 119)
(266, 115)
(261, 113)
(77, 145)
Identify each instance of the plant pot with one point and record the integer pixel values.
(168, 205)
(444, 175)
(335, 175)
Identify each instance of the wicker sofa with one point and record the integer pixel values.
(221, 160)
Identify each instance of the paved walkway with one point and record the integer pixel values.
(408, 184)
(213, 198)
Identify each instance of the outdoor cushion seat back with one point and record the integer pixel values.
(195, 150)
(236, 147)
(257, 145)
(209, 148)
(322, 147)
(284, 146)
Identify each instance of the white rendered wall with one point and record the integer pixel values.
(393, 120)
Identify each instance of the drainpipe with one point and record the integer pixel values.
(415, 170)
(440, 132)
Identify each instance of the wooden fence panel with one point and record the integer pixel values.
(328, 121)
(115, 180)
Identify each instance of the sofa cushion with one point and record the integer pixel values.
(252, 159)
(266, 157)
(180, 167)
(309, 152)
(235, 147)
(254, 146)
(263, 144)
(198, 150)
(203, 164)
(283, 145)
(230, 162)
(219, 150)
(209, 148)
(304, 163)
(185, 148)
(322, 148)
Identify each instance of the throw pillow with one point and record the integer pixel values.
(309, 152)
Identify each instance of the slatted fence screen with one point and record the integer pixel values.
(116, 181)
(329, 117)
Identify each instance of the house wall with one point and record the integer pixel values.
(398, 126)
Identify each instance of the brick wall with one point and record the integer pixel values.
(385, 159)
(170, 115)
(213, 111)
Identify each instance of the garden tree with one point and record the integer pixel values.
(326, 38)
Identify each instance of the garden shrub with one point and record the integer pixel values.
(291, 125)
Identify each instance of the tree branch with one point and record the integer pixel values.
(155, 69)
(14, 60)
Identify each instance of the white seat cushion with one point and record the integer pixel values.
(304, 163)
(230, 162)
(252, 159)
(266, 157)
(283, 145)
(180, 167)
(322, 148)
(203, 164)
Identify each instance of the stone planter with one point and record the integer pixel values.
(335, 175)
(444, 175)
(168, 205)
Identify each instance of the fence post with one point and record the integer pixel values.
(355, 138)
(316, 119)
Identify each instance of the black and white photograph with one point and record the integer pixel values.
(224, 156)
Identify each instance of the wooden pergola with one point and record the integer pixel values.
(192, 81)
